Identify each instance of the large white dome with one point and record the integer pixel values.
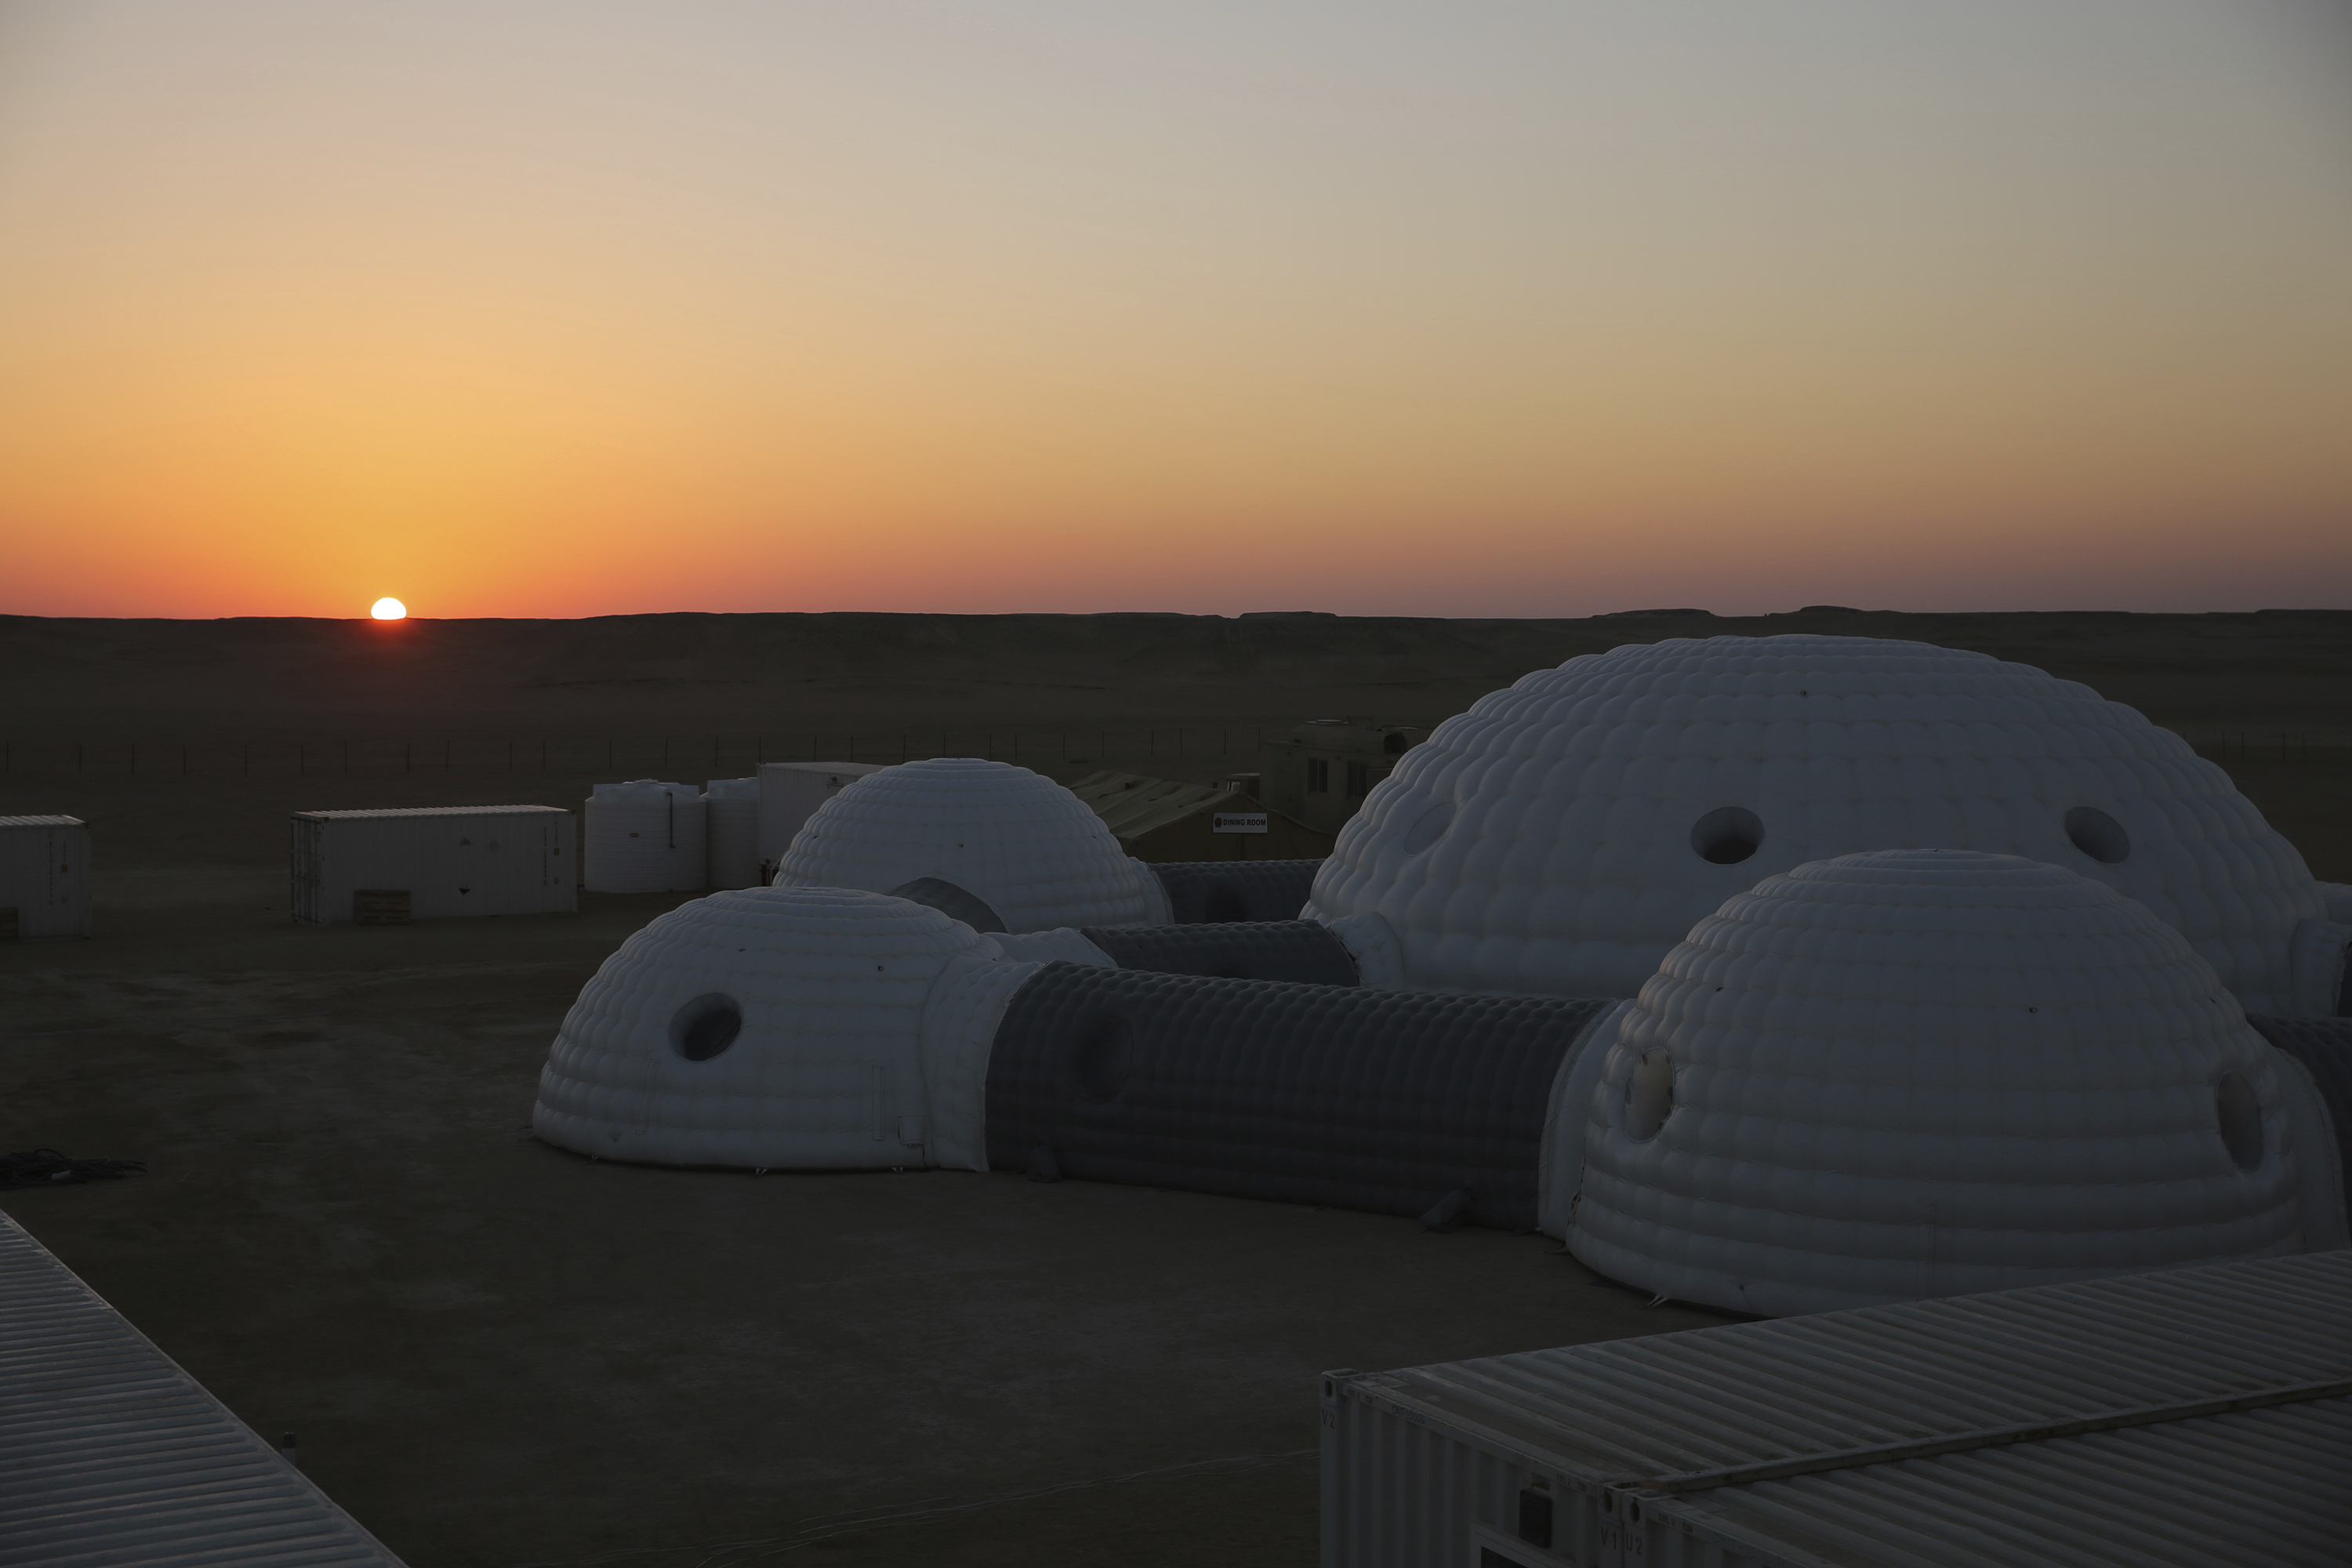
(1037, 855)
(1562, 836)
(1923, 1073)
(775, 1027)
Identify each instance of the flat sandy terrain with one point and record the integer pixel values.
(495, 1354)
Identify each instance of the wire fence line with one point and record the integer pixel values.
(631, 756)
(731, 756)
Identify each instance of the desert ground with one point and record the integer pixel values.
(495, 1354)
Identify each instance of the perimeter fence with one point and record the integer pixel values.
(1057, 747)
(630, 756)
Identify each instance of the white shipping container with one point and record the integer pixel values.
(2196, 1417)
(732, 809)
(646, 836)
(447, 859)
(790, 794)
(44, 876)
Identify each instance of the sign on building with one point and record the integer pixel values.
(1238, 822)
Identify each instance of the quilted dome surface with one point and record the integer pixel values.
(1034, 852)
(1921, 1073)
(765, 1026)
(1563, 834)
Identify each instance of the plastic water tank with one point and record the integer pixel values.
(732, 812)
(645, 837)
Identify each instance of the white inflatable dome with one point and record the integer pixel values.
(1034, 853)
(768, 1026)
(1921, 1073)
(1562, 836)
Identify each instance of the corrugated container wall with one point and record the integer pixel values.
(646, 836)
(790, 794)
(44, 877)
(446, 860)
(731, 810)
(2191, 1419)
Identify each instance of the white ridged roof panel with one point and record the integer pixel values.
(431, 811)
(1711, 1407)
(2267, 1486)
(116, 1456)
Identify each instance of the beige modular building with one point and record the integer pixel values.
(1322, 772)
(1160, 820)
(44, 878)
(389, 867)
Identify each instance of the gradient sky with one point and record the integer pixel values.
(1520, 307)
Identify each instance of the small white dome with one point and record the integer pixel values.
(1561, 836)
(1922, 1073)
(768, 1026)
(1033, 852)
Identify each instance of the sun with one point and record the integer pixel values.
(389, 610)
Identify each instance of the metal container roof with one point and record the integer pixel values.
(1753, 1402)
(42, 822)
(431, 811)
(2269, 1486)
(115, 1456)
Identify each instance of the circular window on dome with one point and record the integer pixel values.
(1727, 835)
(2097, 834)
(1649, 1095)
(1429, 826)
(2241, 1118)
(705, 1026)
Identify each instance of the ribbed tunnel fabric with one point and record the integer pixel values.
(1562, 836)
(1241, 950)
(1923, 1073)
(1309, 1094)
(2324, 1047)
(1210, 891)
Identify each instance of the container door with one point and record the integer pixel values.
(309, 878)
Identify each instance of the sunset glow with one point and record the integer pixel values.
(389, 610)
(1523, 309)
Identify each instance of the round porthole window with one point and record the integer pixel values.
(1649, 1095)
(2241, 1118)
(1429, 826)
(2097, 834)
(1727, 835)
(705, 1026)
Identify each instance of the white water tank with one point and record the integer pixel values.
(731, 813)
(645, 837)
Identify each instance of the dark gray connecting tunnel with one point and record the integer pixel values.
(2323, 1046)
(1328, 1095)
(1210, 893)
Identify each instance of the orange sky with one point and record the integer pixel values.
(1522, 308)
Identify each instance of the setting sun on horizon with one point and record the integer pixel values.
(389, 609)
(1515, 310)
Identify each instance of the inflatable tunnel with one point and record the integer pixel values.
(1342, 1098)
